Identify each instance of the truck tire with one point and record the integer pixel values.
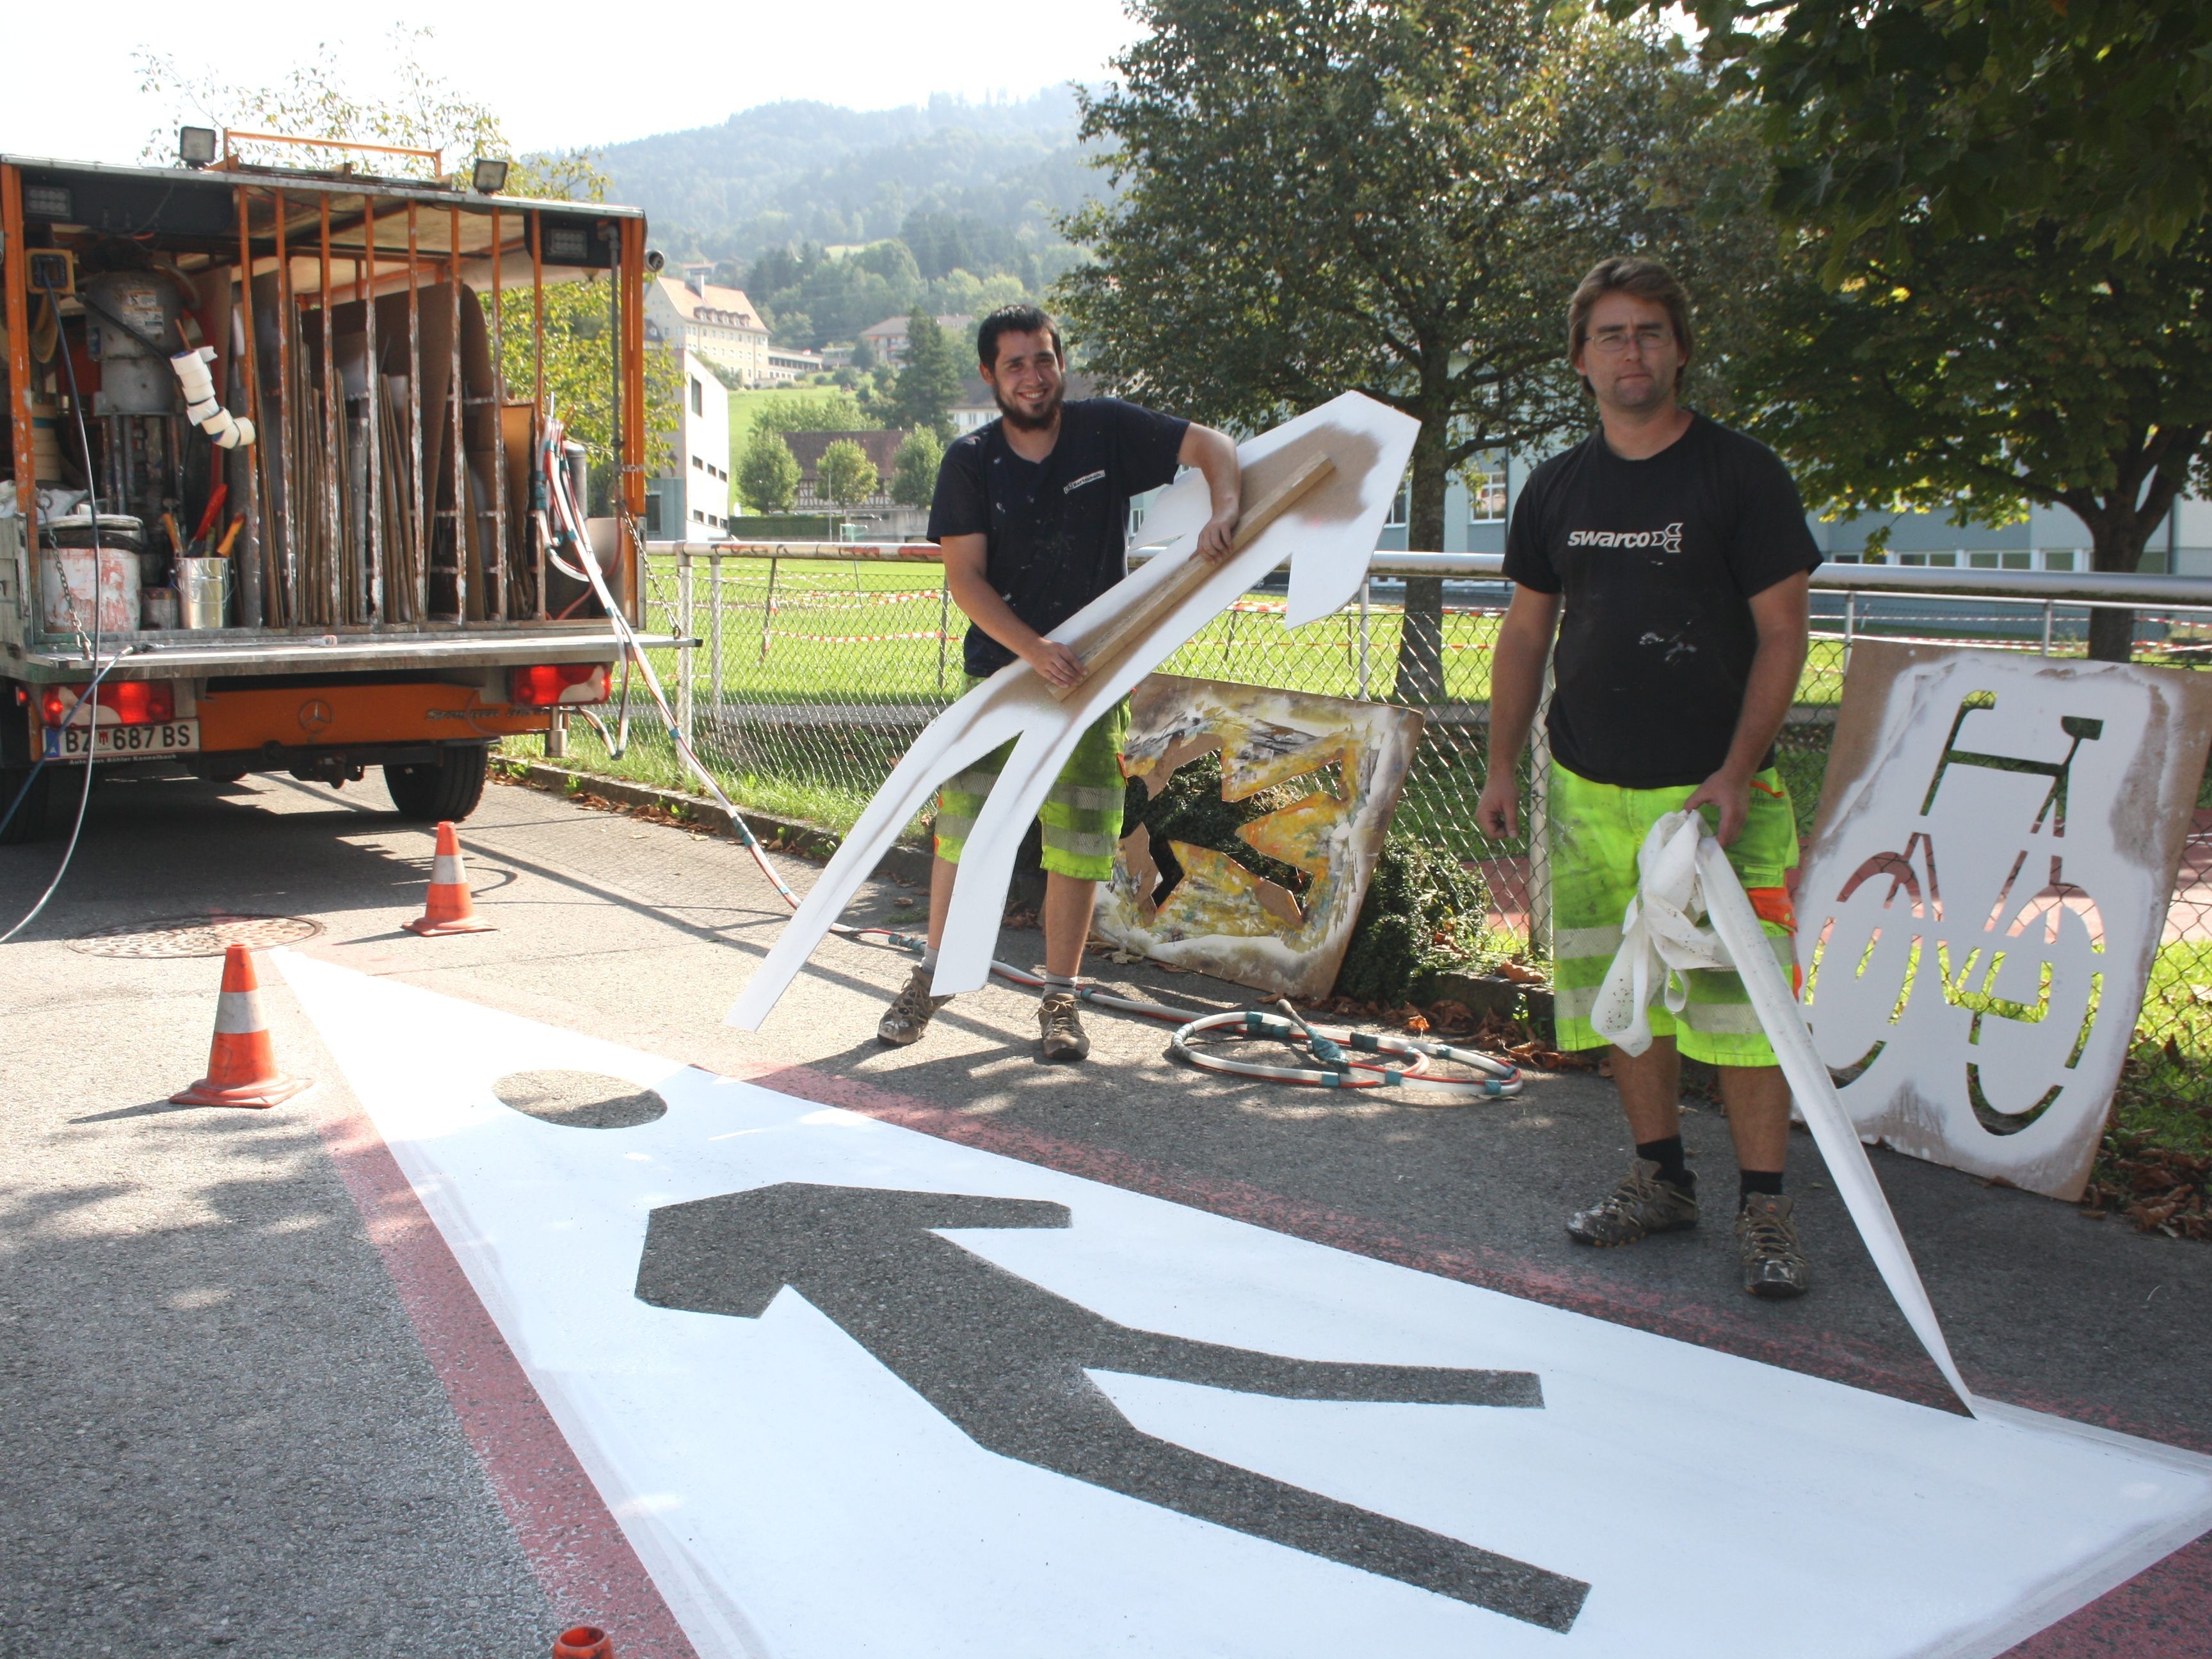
(449, 789)
(30, 823)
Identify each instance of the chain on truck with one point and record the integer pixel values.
(272, 487)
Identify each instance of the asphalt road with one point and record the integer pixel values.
(232, 1422)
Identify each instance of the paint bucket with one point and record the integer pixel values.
(203, 592)
(66, 582)
(159, 607)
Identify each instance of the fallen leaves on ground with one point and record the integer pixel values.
(2158, 1189)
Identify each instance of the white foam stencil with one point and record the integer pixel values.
(967, 1430)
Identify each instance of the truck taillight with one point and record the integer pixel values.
(552, 683)
(128, 702)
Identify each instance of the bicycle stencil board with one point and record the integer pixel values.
(1984, 892)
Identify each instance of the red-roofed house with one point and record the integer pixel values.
(719, 324)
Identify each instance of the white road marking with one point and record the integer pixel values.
(792, 1496)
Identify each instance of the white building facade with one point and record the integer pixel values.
(718, 324)
(689, 499)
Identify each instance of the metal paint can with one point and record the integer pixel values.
(161, 606)
(204, 591)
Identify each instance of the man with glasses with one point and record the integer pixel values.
(1672, 556)
(1032, 513)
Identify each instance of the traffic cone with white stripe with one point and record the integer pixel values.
(450, 909)
(241, 1065)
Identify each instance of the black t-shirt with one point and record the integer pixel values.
(1657, 559)
(1058, 528)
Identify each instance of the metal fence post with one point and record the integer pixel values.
(944, 617)
(686, 653)
(2049, 606)
(715, 630)
(1365, 584)
(768, 607)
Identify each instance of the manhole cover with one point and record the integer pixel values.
(580, 1100)
(194, 936)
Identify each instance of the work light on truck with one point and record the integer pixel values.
(128, 702)
(550, 683)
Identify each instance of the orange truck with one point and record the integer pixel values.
(274, 484)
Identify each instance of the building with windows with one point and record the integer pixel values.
(882, 448)
(887, 339)
(688, 501)
(719, 324)
(1480, 500)
(786, 364)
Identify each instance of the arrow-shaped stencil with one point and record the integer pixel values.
(1006, 1360)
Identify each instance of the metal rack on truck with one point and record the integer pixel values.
(308, 535)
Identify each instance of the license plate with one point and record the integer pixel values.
(156, 737)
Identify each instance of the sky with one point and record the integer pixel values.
(74, 91)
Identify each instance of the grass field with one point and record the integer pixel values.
(819, 693)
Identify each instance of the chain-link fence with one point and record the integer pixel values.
(815, 670)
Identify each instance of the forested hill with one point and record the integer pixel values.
(788, 173)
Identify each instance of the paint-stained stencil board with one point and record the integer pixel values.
(1984, 891)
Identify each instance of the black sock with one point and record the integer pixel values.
(1756, 1181)
(1673, 1166)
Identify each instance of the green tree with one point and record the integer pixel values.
(863, 357)
(929, 379)
(1997, 293)
(1890, 114)
(768, 474)
(914, 469)
(1981, 375)
(827, 410)
(845, 474)
(1395, 196)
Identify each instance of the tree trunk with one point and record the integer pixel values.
(1420, 679)
(2116, 543)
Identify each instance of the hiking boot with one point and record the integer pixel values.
(1058, 1027)
(908, 1017)
(1643, 1203)
(1774, 1265)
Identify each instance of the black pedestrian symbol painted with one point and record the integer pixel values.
(1004, 1360)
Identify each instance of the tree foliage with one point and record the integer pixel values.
(914, 469)
(767, 473)
(845, 474)
(1996, 289)
(929, 379)
(1981, 375)
(1395, 196)
(418, 110)
(827, 410)
(1885, 114)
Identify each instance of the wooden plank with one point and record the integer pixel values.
(1125, 629)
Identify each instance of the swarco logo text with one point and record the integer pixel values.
(1669, 540)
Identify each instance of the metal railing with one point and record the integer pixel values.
(813, 663)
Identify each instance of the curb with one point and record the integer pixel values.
(908, 864)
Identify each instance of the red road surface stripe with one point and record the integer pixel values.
(573, 1544)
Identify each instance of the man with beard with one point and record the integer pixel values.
(1032, 513)
(1672, 556)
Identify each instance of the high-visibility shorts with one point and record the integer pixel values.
(1082, 816)
(1595, 831)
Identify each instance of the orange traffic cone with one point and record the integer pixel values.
(241, 1065)
(450, 909)
(584, 1641)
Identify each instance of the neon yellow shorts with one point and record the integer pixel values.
(1082, 816)
(1596, 830)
